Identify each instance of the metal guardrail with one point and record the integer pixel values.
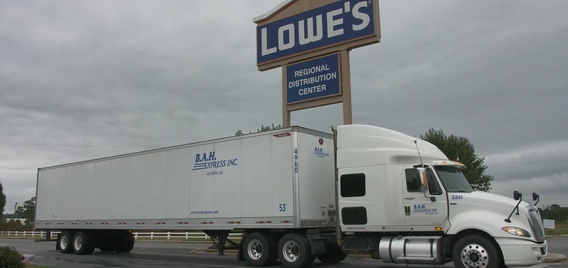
(137, 235)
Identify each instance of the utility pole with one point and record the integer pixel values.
(15, 211)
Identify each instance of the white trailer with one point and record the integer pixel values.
(277, 180)
(397, 197)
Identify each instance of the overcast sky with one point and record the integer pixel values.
(87, 79)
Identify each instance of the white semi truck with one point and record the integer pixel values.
(295, 194)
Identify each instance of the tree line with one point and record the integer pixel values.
(25, 211)
(554, 212)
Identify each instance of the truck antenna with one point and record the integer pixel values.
(419, 156)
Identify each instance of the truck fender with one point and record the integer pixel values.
(487, 225)
(486, 222)
(317, 243)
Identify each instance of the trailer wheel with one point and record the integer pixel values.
(130, 242)
(260, 249)
(475, 251)
(105, 244)
(124, 242)
(105, 249)
(294, 250)
(82, 243)
(64, 242)
(333, 254)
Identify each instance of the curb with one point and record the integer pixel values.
(554, 257)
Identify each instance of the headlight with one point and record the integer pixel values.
(516, 231)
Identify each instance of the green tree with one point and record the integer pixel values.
(2, 202)
(27, 211)
(460, 149)
(554, 212)
(262, 129)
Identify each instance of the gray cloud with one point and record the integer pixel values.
(81, 80)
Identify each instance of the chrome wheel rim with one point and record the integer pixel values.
(291, 251)
(254, 249)
(78, 242)
(64, 242)
(474, 255)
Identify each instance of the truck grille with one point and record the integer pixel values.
(536, 224)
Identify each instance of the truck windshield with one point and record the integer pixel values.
(453, 179)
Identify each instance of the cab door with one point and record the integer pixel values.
(424, 208)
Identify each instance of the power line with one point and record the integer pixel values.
(540, 140)
(77, 145)
(18, 169)
(526, 161)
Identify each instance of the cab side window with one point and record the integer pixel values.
(413, 183)
(353, 185)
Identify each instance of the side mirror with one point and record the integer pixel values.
(536, 198)
(424, 182)
(517, 195)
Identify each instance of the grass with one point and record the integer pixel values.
(561, 229)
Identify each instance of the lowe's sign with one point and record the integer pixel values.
(336, 23)
(313, 79)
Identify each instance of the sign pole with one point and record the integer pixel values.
(346, 87)
(285, 110)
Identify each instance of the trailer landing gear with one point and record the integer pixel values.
(220, 239)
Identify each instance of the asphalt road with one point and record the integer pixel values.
(164, 254)
(558, 244)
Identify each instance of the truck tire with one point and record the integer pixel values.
(124, 242)
(130, 242)
(106, 244)
(475, 251)
(333, 254)
(294, 250)
(105, 249)
(83, 243)
(64, 242)
(260, 249)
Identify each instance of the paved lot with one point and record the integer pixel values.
(164, 254)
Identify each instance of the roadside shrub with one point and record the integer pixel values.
(10, 258)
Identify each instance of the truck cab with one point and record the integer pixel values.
(416, 206)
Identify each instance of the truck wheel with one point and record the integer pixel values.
(105, 244)
(106, 248)
(124, 242)
(82, 243)
(130, 243)
(294, 250)
(64, 242)
(333, 254)
(259, 249)
(475, 251)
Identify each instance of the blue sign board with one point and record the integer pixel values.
(332, 24)
(313, 79)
